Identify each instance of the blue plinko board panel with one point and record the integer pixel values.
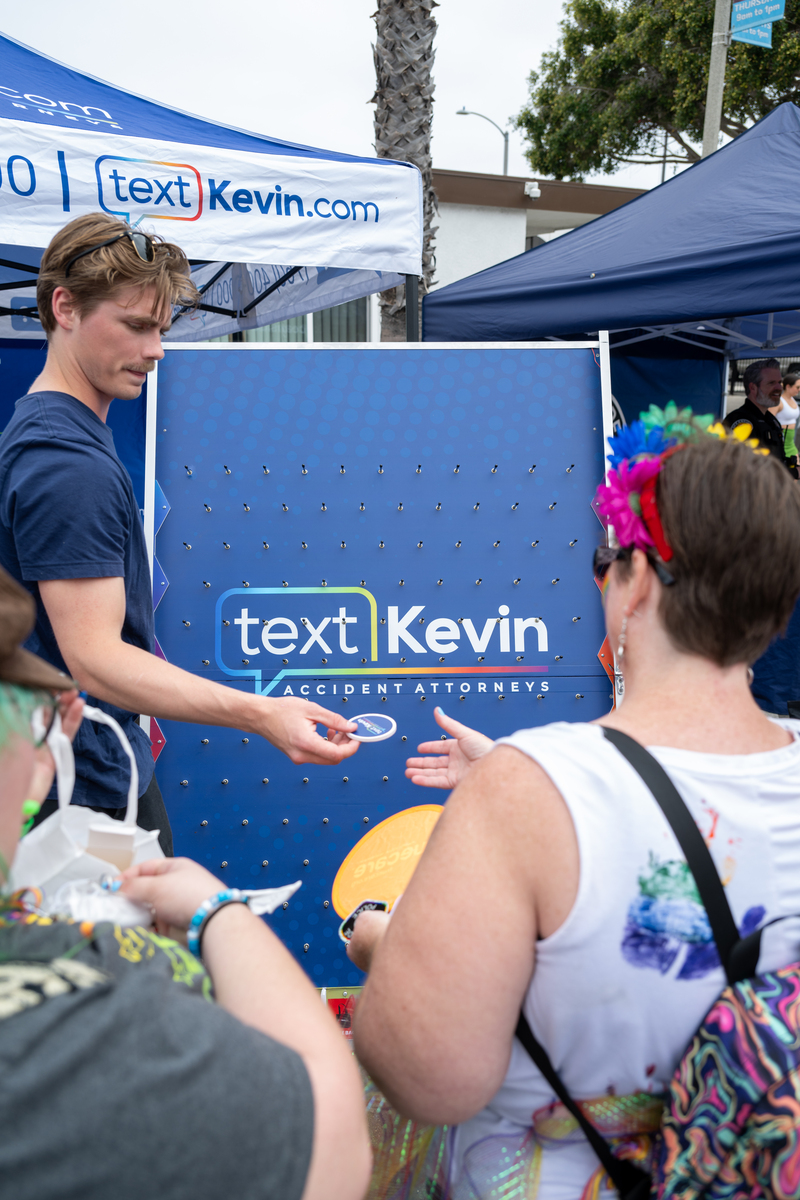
(374, 529)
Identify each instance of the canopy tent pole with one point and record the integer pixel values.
(412, 308)
(607, 398)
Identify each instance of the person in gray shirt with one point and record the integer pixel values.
(130, 1066)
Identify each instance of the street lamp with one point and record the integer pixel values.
(465, 112)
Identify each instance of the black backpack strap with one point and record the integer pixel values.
(630, 1181)
(739, 956)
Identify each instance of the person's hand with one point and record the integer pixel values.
(368, 932)
(174, 888)
(70, 707)
(454, 756)
(291, 724)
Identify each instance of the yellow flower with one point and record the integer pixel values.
(740, 433)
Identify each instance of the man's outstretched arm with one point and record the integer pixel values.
(87, 616)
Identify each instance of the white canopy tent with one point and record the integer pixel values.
(238, 204)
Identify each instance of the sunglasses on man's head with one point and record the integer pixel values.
(604, 556)
(141, 243)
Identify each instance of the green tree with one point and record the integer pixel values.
(627, 71)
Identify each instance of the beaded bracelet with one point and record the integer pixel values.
(206, 910)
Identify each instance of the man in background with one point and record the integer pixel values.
(763, 383)
(70, 528)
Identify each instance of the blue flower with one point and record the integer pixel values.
(634, 440)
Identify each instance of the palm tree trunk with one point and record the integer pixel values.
(404, 54)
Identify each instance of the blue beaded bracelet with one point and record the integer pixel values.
(206, 910)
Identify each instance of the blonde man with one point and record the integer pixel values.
(70, 529)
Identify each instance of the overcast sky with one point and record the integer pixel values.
(304, 71)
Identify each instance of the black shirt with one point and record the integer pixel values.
(766, 427)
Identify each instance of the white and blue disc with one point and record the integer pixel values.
(373, 727)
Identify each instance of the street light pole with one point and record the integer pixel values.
(464, 112)
(720, 40)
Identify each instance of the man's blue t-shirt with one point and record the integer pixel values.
(68, 511)
(776, 682)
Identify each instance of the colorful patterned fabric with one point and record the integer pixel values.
(408, 1158)
(414, 1162)
(731, 1128)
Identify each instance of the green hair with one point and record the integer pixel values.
(17, 706)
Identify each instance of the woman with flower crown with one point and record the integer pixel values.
(553, 885)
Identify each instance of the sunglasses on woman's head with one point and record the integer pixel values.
(604, 556)
(141, 243)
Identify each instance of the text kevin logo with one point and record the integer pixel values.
(142, 187)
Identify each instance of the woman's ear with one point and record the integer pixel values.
(641, 581)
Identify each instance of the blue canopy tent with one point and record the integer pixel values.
(719, 240)
(674, 266)
(238, 203)
(272, 229)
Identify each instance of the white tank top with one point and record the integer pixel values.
(787, 415)
(620, 988)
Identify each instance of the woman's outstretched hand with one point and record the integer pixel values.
(454, 757)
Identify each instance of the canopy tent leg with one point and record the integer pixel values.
(605, 393)
(412, 308)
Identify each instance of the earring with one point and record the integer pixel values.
(623, 637)
(750, 676)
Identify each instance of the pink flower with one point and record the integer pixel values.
(618, 501)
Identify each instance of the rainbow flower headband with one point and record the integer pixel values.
(638, 452)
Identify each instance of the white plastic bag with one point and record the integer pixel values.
(88, 900)
(70, 854)
(76, 844)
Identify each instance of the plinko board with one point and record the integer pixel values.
(381, 864)
(380, 530)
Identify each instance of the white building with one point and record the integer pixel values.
(485, 219)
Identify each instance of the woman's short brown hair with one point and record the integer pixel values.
(97, 277)
(732, 518)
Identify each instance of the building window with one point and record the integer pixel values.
(291, 330)
(344, 323)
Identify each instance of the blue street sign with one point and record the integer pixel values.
(746, 14)
(759, 35)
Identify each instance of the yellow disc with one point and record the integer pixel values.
(381, 864)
